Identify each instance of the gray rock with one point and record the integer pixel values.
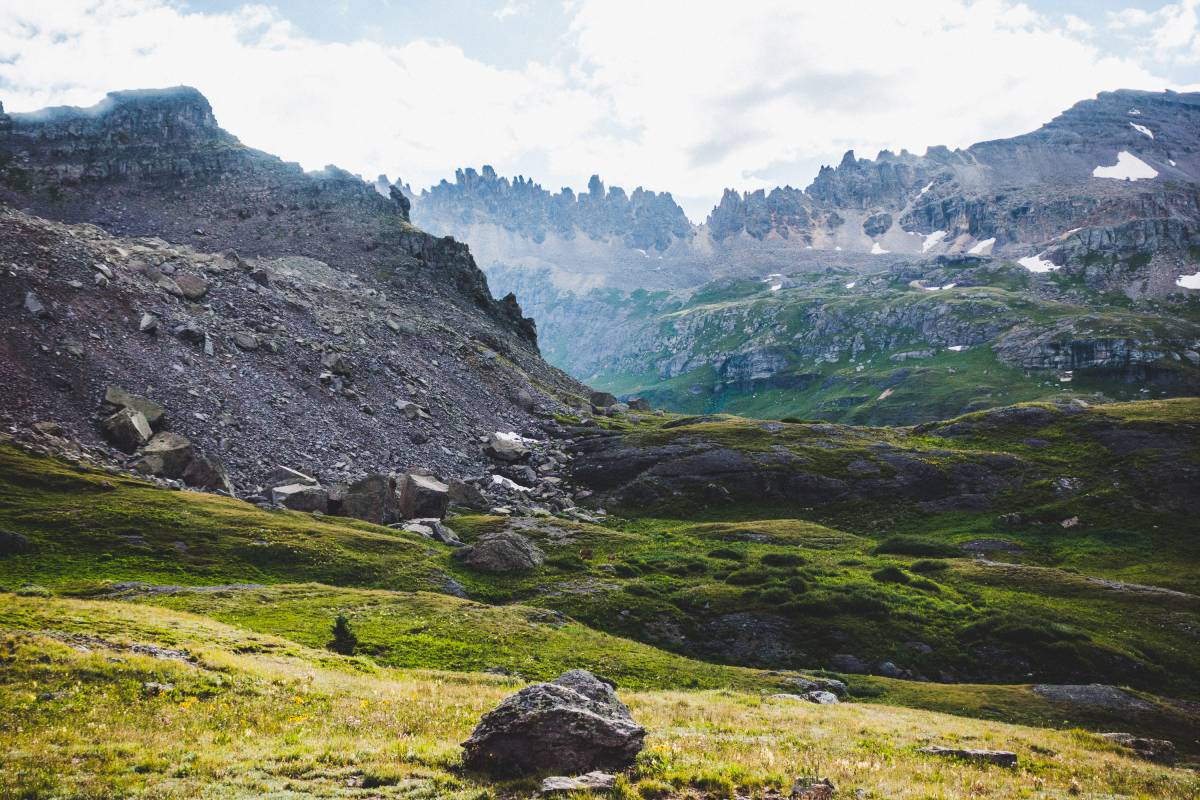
(501, 552)
(207, 473)
(506, 447)
(166, 455)
(806, 788)
(591, 782)
(126, 430)
(435, 529)
(999, 758)
(422, 496)
(1093, 695)
(34, 306)
(284, 476)
(602, 399)
(638, 404)
(844, 662)
(467, 495)
(372, 498)
(411, 410)
(118, 398)
(888, 670)
(260, 276)
(192, 287)
(822, 698)
(148, 323)
(246, 341)
(1160, 750)
(336, 363)
(301, 497)
(575, 724)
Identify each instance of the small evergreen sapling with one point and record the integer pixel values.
(344, 641)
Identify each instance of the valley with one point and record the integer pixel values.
(291, 505)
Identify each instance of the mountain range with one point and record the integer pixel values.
(993, 274)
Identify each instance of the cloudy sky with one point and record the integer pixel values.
(687, 96)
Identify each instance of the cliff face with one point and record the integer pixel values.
(155, 162)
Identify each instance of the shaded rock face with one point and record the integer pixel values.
(502, 552)
(574, 724)
(252, 299)
(372, 498)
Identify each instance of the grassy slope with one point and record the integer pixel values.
(853, 390)
(91, 529)
(254, 715)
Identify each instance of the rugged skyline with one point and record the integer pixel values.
(759, 95)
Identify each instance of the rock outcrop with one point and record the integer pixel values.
(574, 724)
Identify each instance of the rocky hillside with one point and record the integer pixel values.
(830, 300)
(275, 317)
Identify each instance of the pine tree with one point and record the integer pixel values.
(344, 641)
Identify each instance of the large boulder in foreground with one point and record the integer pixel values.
(574, 724)
(501, 553)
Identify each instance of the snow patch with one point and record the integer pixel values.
(1189, 281)
(958, 348)
(927, 187)
(939, 288)
(850, 285)
(1142, 129)
(982, 248)
(1128, 167)
(839, 247)
(643, 252)
(1171, 161)
(511, 485)
(1037, 264)
(877, 249)
(932, 240)
(1133, 112)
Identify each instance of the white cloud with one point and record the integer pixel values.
(511, 8)
(719, 95)
(1169, 34)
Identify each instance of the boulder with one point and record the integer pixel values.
(507, 447)
(602, 399)
(999, 758)
(422, 496)
(285, 476)
(574, 724)
(812, 789)
(192, 287)
(166, 455)
(246, 341)
(467, 495)
(301, 497)
(822, 698)
(207, 473)
(118, 398)
(336, 363)
(372, 498)
(148, 323)
(260, 276)
(638, 404)
(1160, 750)
(844, 662)
(12, 543)
(435, 529)
(410, 410)
(127, 429)
(591, 782)
(501, 552)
